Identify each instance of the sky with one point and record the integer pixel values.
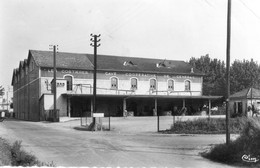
(164, 29)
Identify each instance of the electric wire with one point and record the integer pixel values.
(245, 5)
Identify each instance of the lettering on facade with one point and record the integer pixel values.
(184, 76)
(65, 71)
(180, 76)
(151, 75)
(140, 74)
(74, 71)
(131, 74)
(110, 73)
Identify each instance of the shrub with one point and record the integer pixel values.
(20, 157)
(15, 156)
(247, 143)
(5, 154)
(207, 126)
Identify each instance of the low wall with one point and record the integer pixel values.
(186, 118)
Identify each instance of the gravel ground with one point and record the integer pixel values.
(133, 142)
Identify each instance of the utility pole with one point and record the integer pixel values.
(54, 83)
(95, 40)
(228, 71)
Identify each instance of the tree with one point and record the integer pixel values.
(214, 70)
(244, 74)
(2, 90)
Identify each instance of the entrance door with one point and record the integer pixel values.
(240, 108)
(79, 106)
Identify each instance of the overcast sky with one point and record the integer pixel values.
(165, 29)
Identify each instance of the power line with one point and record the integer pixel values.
(250, 9)
(208, 3)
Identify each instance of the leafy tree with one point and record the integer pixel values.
(244, 74)
(2, 90)
(214, 70)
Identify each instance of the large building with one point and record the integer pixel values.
(141, 86)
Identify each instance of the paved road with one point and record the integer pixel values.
(65, 146)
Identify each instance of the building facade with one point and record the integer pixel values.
(141, 86)
(242, 102)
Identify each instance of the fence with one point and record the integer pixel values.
(52, 115)
(86, 119)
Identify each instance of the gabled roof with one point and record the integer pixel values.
(15, 72)
(63, 60)
(21, 64)
(107, 63)
(25, 62)
(247, 93)
(111, 63)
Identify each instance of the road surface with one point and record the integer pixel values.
(65, 146)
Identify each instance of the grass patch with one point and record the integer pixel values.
(14, 155)
(248, 143)
(207, 126)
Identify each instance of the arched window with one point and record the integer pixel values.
(170, 85)
(152, 84)
(69, 82)
(187, 85)
(133, 83)
(114, 83)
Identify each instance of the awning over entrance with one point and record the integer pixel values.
(140, 105)
(146, 96)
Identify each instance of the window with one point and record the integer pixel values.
(152, 84)
(114, 83)
(69, 82)
(170, 85)
(129, 63)
(187, 85)
(133, 83)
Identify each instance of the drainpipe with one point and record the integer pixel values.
(124, 107)
(209, 108)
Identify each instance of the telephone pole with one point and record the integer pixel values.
(94, 44)
(228, 71)
(54, 85)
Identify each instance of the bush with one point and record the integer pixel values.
(248, 143)
(5, 154)
(207, 126)
(14, 155)
(20, 157)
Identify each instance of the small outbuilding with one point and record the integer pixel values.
(242, 103)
